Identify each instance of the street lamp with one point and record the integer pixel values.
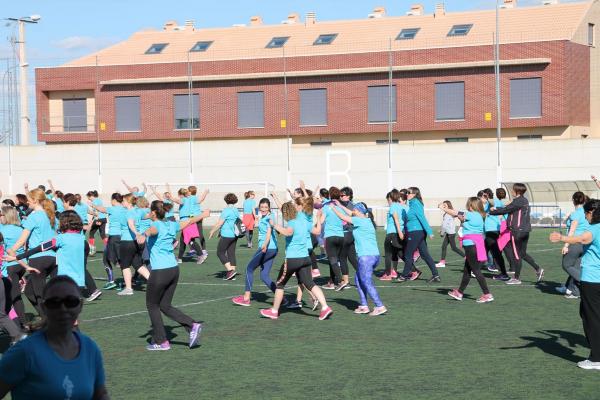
(23, 66)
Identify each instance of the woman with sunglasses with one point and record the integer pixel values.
(56, 362)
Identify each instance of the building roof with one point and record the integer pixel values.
(518, 24)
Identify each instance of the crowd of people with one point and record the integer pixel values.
(45, 233)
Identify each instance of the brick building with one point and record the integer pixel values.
(322, 82)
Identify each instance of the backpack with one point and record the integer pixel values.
(239, 229)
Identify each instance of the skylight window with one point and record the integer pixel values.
(325, 39)
(201, 46)
(407, 34)
(460, 30)
(156, 48)
(277, 42)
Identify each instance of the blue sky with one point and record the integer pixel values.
(72, 28)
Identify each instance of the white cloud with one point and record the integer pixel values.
(87, 43)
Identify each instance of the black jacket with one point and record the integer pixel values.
(516, 223)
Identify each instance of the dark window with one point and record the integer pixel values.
(526, 98)
(591, 36)
(325, 39)
(277, 42)
(406, 34)
(449, 101)
(75, 115)
(456, 139)
(201, 46)
(127, 114)
(181, 106)
(321, 143)
(386, 141)
(156, 48)
(379, 104)
(529, 137)
(313, 107)
(251, 110)
(460, 30)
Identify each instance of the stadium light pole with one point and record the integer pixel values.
(390, 112)
(23, 67)
(498, 99)
(285, 116)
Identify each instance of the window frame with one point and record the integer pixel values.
(464, 116)
(208, 43)
(394, 108)
(591, 34)
(238, 109)
(196, 109)
(85, 126)
(452, 31)
(541, 94)
(272, 44)
(318, 41)
(139, 115)
(326, 107)
(415, 30)
(162, 46)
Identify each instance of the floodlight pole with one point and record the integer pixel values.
(190, 119)
(498, 99)
(285, 116)
(390, 112)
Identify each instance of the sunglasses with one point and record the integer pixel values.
(54, 303)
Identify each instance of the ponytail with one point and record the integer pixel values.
(48, 206)
(158, 207)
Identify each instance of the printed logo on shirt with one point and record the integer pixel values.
(68, 386)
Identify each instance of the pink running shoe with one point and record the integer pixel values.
(455, 294)
(394, 274)
(240, 301)
(415, 275)
(378, 311)
(385, 277)
(316, 273)
(362, 310)
(269, 313)
(325, 313)
(486, 298)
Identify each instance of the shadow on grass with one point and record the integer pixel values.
(348, 303)
(444, 292)
(549, 342)
(549, 287)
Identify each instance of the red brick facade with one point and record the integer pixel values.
(565, 92)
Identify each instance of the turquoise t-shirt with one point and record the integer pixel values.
(36, 372)
(334, 226)
(126, 233)
(160, 246)
(415, 217)
(195, 206)
(171, 212)
(98, 202)
(142, 224)
(365, 239)
(295, 245)
(70, 256)
(473, 225)
(139, 194)
(395, 208)
(249, 206)
(115, 215)
(82, 210)
(582, 224)
(229, 215)
(60, 206)
(41, 231)
(11, 234)
(185, 208)
(263, 228)
(309, 226)
(492, 222)
(590, 262)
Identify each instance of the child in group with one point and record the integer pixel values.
(394, 238)
(448, 232)
(474, 244)
(228, 240)
(248, 217)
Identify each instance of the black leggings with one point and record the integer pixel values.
(348, 253)
(15, 273)
(520, 242)
(589, 310)
(201, 236)
(159, 295)
(472, 265)
(226, 250)
(98, 225)
(416, 240)
(311, 251)
(333, 247)
(193, 244)
(37, 282)
(300, 266)
(111, 252)
(90, 284)
(450, 239)
(393, 252)
(491, 245)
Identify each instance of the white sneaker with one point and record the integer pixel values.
(92, 250)
(201, 259)
(440, 265)
(125, 292)
(94, 295)
(513, 281)
(587, 364)
(179, 261)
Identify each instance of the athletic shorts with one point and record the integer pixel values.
(130, 254)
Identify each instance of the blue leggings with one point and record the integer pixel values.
(265, 262)
(364, 280)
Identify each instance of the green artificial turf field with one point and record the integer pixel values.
(524, 345)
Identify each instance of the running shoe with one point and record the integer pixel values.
(441, 264)
(325, 313)
(540, 275)
(230, 275)
(94, 295)
(109, 285)
(125, 292)
(249, 245)
(473, 275)
(341, 286)
(362, 310)
(201, 259)
(486, 298)
(191, 253)
(513, 281)
(587, 364)
(240, 301)
(179, 261)
(159, 347)
(501, 277)
(385, 277)
(414, 275)
(315, 304)
(329, 286)
(269, 313)
(434, 279)
(195, 334)
(394, 274)
(455, 294)
(571, 296)
(294, 305)
(492, 268)
(316, 273)
(92, 250)
(561, 289)
(378, 311)
(402, 279)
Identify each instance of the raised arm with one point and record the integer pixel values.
(303, 188)
(51, 186)
(276, 199)
(452, 213)
(145, 187)
(102, 209)
(203, 195)
(596, 181)
(193, 220)
(129, 188)
(156, 193)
